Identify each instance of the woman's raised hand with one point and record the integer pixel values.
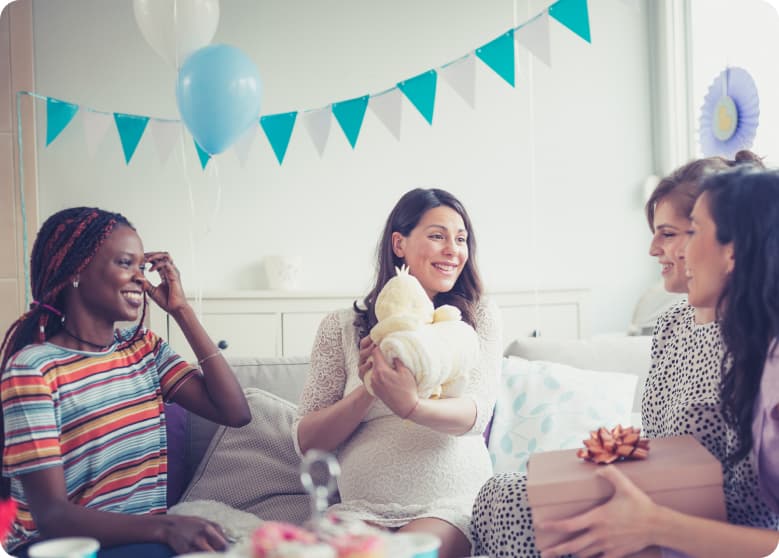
(169, 294)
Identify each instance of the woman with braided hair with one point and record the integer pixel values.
(84, 443)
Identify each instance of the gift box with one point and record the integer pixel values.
(678, 473)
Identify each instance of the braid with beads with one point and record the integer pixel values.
(64, 246)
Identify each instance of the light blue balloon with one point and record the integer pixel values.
(218, 93)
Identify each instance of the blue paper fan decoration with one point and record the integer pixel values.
(730, 114)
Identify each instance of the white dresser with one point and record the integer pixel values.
(276, 323)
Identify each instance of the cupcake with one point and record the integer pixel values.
(351, 538)
(358, 546)
(274, 539)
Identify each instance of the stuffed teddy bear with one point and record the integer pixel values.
(433, 343)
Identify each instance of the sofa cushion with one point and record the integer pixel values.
(627, 354)
(546, 406)
(283, 377)
(255, 468)
(176, 429)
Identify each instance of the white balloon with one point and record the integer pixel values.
(176, 28)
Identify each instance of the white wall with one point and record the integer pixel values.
(551, 171)
(743, 34)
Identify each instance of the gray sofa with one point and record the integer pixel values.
(256, 469)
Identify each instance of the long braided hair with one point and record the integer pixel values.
(64, 246)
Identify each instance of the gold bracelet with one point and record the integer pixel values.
(411, 412)
(212, 355)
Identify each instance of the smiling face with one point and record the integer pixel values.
(708, 262)
(110, 287)
(668, 245)
(435, 250)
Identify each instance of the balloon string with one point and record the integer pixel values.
(211, 225)
(176, 33)
(22, 200)
(533, 185)
(192, 221)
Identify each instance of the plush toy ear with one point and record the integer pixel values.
(447, 313)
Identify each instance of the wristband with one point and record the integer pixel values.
(411, 412)
(205, 358)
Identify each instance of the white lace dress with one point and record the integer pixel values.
(392, 470)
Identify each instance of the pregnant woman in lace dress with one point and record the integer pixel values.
(407, 463)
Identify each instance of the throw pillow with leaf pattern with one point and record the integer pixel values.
(546, 406)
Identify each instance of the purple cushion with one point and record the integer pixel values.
(176, 427)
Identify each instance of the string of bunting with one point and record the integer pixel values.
(419, 90)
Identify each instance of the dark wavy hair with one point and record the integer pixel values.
(682, 187)
(744, 204)
(65, 245)
(403, 218)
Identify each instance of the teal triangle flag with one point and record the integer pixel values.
(202, 155)
(350, 115)
(58, 116)
(420, 90)
(130, 129)
(278, 128)
(573, 14)
(499, 55)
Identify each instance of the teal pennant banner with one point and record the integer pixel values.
(58, 116)
(499, 55)
(130, 129)
(350, 115)
(203, 156)
(574, 15)
(420, 90)
(278, 129)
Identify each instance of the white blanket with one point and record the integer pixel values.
(440, 355)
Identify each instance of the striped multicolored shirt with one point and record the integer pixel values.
(98, 415)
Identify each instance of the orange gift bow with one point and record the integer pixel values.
(607, 446)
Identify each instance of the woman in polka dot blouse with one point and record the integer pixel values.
(681, 395)
(732, 264)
